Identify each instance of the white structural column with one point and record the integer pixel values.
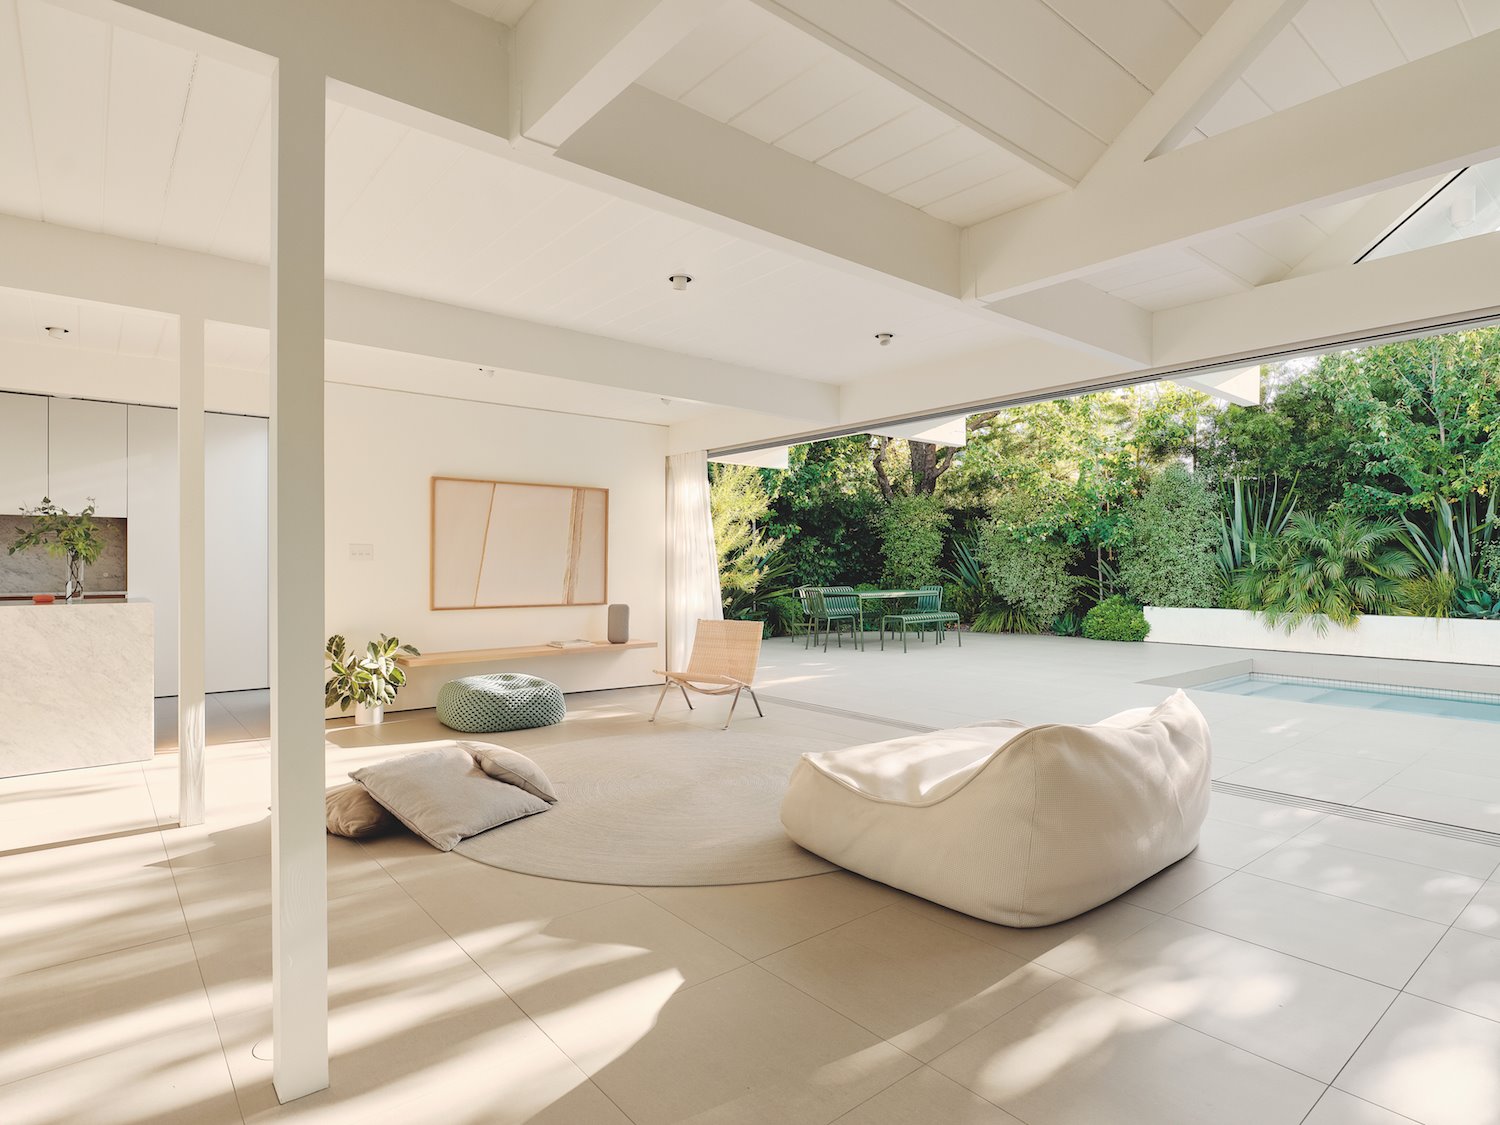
(299, 860)
(191, 595)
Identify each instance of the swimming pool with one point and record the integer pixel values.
(1455, 704)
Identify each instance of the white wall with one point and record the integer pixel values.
(405, 440)
(236, 559)
(151, 533)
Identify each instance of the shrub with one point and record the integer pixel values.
(1115, 619)
(1170, 557)
(1028, 569)
(911, 541)
(997, 617)
(1326, 570)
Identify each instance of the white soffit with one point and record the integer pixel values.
(777, 457)
(1335, 43)
(508, 12)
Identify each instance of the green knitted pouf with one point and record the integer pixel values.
(505, 701)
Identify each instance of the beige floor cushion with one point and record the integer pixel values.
(1024, 826)
(443, 796)
(351, 811)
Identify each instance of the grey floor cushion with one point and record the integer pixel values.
(442, 795)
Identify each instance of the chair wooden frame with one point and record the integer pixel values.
(723, 662)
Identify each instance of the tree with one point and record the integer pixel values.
(924, 465)
(738, 500)
(825, 508)
(1027, 563)
(1170, 556)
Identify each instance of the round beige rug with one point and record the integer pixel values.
(663, 808)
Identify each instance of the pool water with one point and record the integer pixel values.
(1479, 705)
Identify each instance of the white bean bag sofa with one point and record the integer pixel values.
(1024, 826)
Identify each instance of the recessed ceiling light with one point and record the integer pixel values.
(679, 281)
(487, 372)
(884, 338)
(56, 331)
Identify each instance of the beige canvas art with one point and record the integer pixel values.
(501, 544)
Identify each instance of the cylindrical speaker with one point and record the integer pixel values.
(619, 624)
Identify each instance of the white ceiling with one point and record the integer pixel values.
(508, 12)
(1095, 64)
(1335, 43)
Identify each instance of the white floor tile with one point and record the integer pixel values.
(1462, 972)
(926, 1096)
(1482, 916)
(756, 919)
(746, 1047)
(919, 984)
(1062, 947)
(1431, 1063)
(1306, 772)
(1466, 812)
(1169, 889)
(1438, 896)
(1304, 1016)
(1338, 1108)
(1363, 941)
(1077, 1056)
(1466, 857)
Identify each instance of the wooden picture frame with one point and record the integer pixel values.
(498, 544)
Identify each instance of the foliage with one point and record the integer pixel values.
(968, 592)
(738, 500)
(370, 680)
(1170, 557)
(825, 507)
(1067, 624)
(1253, 516)
(1322, 570)
(911, 541)
(1116, 619)
(998, 617)
(1027, 564)
(60, 534)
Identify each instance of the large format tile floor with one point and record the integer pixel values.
(1300, 967)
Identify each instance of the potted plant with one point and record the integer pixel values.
(368, 682)
(75, 537)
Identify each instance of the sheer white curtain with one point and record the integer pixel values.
(692, 561)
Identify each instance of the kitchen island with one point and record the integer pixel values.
(78, 685)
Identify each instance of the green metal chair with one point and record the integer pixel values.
(808, 626)
(929, 613)
(837, 606)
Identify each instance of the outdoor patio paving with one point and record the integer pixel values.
(1301, 968)
(1428, 767)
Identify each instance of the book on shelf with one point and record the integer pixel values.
(579, 643)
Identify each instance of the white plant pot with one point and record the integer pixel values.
(371, 716)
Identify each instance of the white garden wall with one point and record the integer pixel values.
(404, 440)
(1396, 638)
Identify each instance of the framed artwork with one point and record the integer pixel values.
(499, 544)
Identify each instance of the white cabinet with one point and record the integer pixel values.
(23, 451)
(87, 455)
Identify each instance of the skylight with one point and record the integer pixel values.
(1467, 205)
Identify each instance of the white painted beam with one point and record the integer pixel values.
(943, 431)
(1382, 213)
(776, 457)
(1239, 387)
(1216, 61)
(1076, 314)
(573, 57)
(191, 591)
(299, 858)
(900, 45)
(735, 183)
(45, 258)
(1407, 292)
(1341, 145)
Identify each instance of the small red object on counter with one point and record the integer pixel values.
(43, 599)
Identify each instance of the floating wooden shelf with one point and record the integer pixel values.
(522, 652)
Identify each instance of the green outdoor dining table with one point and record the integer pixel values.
(880, 596)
